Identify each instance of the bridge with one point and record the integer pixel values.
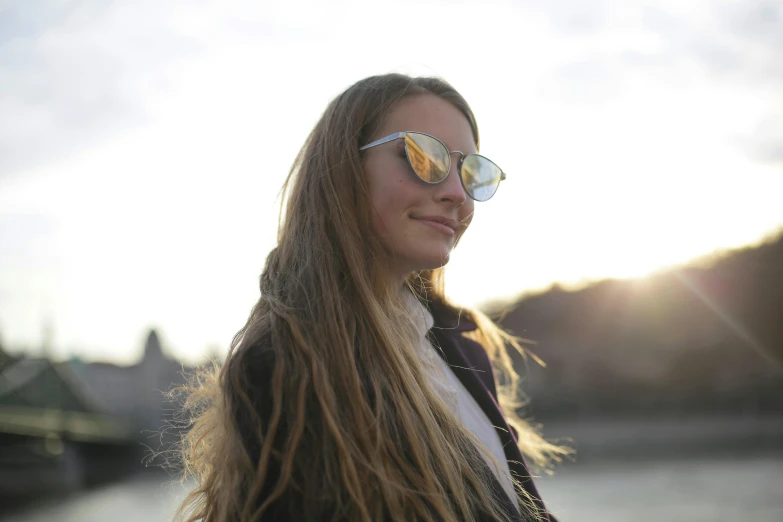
(66, 424)
(41, 399)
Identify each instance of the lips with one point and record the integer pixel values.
(439, 219)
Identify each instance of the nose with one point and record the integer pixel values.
(451, 188)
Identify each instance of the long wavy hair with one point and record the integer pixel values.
(349, 421)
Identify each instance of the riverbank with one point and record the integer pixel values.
(597, 439)
(690, 469)
(675, 490)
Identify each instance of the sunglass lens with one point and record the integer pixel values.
(480, 177)
(428, 157)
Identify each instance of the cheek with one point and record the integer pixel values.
(392, 192)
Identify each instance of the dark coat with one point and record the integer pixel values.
(470, 363)
(468, 360)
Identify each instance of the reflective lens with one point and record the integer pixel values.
(431, 161)
(480, 177)
(428, 157)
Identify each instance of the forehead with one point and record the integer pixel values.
(433, 115)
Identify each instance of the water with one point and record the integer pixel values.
(145, 497)
(716, 489)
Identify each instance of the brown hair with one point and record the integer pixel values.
(322, 397)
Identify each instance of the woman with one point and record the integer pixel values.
(356, 391)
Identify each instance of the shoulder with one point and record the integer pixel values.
(252, 363)
(451, 325)
(248, 388)
(250, 394)
(450, 317)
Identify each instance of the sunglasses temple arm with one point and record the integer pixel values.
(381, 141)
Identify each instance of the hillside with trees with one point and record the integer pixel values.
(704, 338)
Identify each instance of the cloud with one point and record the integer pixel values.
(740, 41)
(754, 34)
(730, 46)
(573, 16)
(765, 144)
(73, 74)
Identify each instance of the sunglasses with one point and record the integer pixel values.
(430, 159)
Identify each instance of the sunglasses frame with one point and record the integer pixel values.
(463, 157)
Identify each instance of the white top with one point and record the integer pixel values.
(458, 398)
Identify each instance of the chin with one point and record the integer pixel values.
(433, 262)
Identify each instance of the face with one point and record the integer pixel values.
(406, 209)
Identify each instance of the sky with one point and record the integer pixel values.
(143, 145)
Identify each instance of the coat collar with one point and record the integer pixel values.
(475, 373)
(450, 317)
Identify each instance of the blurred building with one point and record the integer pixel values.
(66, 424)
(135, 392)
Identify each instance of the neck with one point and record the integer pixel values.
(399, 279)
